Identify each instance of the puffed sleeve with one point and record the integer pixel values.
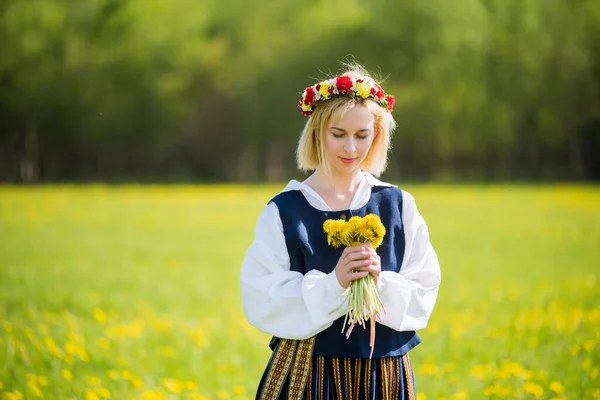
(281, 302)
(409, 296)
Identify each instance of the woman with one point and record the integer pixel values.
(295, 286)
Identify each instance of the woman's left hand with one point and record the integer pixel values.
(374, 267)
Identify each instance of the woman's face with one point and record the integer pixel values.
(348, 139)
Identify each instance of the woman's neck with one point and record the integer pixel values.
(335, 182)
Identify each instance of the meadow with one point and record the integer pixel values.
(132, 292)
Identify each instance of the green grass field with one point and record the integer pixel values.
(132, 292)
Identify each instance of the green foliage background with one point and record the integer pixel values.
(187, 90)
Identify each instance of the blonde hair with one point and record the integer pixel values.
(311, 153)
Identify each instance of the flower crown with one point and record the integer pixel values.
(343, 86)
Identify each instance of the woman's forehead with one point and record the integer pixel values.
(358, 116)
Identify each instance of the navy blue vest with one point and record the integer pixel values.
(307, 247)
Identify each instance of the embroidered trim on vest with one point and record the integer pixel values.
(320, 373)
(357, 378)
(335, 363)
(409, 377)
(397, 377)
(368, 378)
(348, 378)
(301, 369)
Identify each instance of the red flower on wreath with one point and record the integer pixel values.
(391, 101)
(377, 91)
(344, 84)
(310, 96)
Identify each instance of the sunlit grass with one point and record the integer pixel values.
(132, 292)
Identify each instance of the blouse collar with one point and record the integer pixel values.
(364, 188)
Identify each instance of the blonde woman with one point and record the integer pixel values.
(295, 286)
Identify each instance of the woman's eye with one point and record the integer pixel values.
(338, 135)
(363, 137)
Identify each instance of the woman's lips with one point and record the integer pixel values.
(347, 160)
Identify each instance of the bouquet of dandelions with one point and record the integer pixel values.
(365, 303)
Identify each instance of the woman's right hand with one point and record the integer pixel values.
(353, 264)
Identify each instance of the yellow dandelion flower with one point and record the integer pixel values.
(103, 343)
(239, 389)
(71, 348)
(462, 395)
(127, 375)
(114, 375)
(421, 396)
(66, 374)
(222, 394)
(167, 351)
(172, 385)
(93, 380)
(33, 386)
(89, 395)
(137, 383)
(103, 392)
(533, 388)
(557, 387)
(100, 315)
(196, 396)
(189, 385)
(42, 380)
(588, 345)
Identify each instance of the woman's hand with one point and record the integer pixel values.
(357, 262)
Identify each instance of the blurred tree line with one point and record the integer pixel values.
(206, 90)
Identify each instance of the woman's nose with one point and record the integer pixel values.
(349, 146)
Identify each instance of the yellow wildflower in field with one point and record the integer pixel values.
(17, 395)
(172, 385)
(482, 371)
(189, 385)
(127, 375)
(239, 389)
(93, 380)
(497, 390)
(66, 374)
(196, 396)
(100, 315)
(114, 375)
(103, 343)
(462, 395)
(153, 395)
(557, 387)
(199, 338)
(589, 345)
(89, 395)
(103, 392)
(429, 368)
(52, 347)
(421, 396)
(35, 388)
(533, 388)
(167, 351)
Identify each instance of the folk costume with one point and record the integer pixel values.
(290, 290)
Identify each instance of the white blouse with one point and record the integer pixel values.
(290, 305)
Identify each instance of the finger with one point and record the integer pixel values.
(357, 264)
(357, 275)
(357, 256)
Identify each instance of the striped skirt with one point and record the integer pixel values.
(294, 373)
